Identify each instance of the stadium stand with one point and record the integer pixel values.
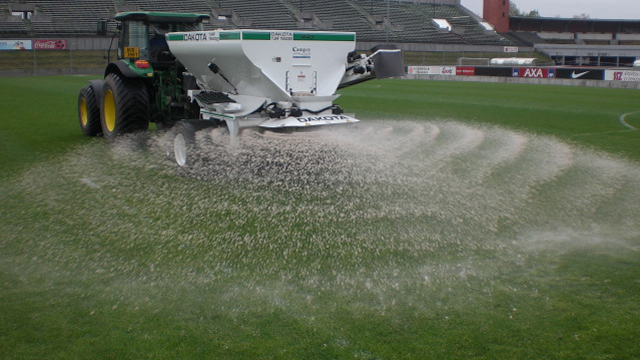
(262, 14)
(12, 26)
(466, 29)
(591, 42)
(346, 16)
(373, 20)
(576, 31)
(196, 6)
(54, 17)
(58, 17)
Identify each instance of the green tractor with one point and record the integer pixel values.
(146, 83)
(171, 72)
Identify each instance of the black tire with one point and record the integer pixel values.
(125, 106)
(89, 112)
(183, 148)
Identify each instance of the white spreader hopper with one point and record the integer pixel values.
(276, 79)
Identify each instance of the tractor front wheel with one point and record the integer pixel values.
(125, 106)
(89, 112)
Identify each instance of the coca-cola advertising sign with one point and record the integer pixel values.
(50, 44)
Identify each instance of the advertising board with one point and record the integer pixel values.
(465, 71)
(431, 70)
(581, 73)
(50, 44)
(622, 75)
(493, 71)
(537, 73)
(20, 44)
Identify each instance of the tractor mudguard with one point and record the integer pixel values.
(122, 68)
(97, 90)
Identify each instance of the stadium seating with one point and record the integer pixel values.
(262, 13)
(196, 6)
(58, 17)
(372, 20)
(345, 17)
(12, 26)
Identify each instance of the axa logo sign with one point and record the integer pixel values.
(537, 73)
(533, 73)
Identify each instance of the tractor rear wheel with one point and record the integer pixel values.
(89, 112)
(125, 106)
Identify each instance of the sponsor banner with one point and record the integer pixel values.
(50, 44)
(465, 71)
(622, 75)
(536, 73)
(511, 49)
(15, 45)
(431, 70)
(448, 70)
(493, 71)
(582, 74)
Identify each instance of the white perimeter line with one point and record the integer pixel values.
(623, 117)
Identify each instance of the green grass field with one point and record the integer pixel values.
(457, 221)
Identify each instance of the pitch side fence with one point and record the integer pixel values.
(570, 76)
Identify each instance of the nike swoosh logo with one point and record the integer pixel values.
(576, 76)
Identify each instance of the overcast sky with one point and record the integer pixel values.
(596, 9)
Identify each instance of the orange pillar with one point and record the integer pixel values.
(496, 12)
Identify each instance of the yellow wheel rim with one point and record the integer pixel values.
(83, 112)
(109, 111)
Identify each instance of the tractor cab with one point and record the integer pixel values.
(142, 36)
